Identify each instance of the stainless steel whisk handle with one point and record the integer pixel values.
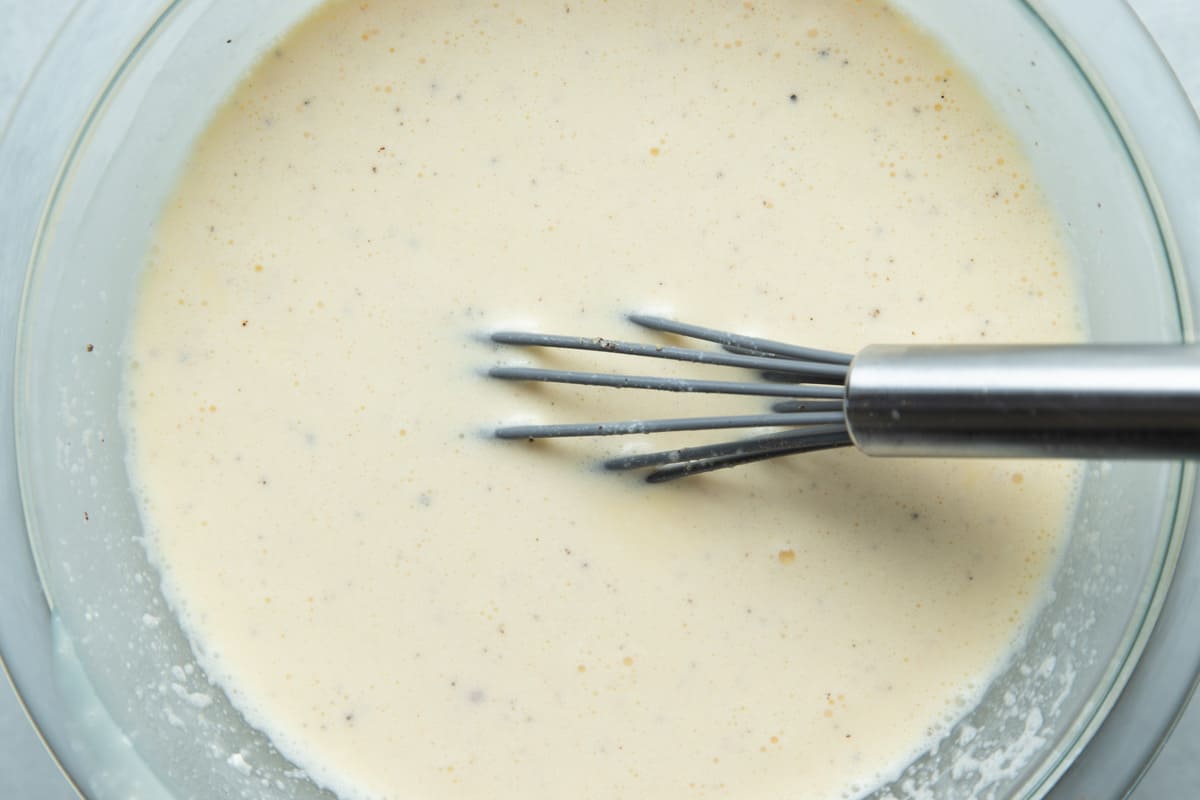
(1090, 401)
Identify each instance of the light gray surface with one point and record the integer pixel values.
(26, 771)
(1175, 25)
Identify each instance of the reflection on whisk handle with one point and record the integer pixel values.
(1090, 401)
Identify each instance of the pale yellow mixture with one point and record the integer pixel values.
(413, 610)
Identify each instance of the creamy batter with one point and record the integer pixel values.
(411, 609)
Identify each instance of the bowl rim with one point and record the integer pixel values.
(1161, 134)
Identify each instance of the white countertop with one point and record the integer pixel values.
(27, 771)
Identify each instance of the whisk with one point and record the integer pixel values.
(1065, 401)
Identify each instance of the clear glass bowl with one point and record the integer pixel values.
(99, 656)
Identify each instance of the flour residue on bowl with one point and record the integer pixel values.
(410, 609)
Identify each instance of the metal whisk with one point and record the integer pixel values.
(1067, 401)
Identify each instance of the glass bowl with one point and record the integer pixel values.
(98, 655)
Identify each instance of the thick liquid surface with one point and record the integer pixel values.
(411, 609)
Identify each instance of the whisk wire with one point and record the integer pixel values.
(810, 371)
(684, 469)
(810, 381)
(636, 426)
(806, 392)
(737, 343)
(814, 437)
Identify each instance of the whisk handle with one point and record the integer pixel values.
(1082, 401)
